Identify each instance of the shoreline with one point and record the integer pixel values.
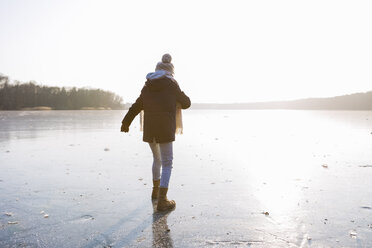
(47, 108)
(210, 109)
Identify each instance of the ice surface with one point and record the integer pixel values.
(241, 178)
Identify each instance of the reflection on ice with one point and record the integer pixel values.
(161, 235)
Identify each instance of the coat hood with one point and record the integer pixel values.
(153, 77)
(158, 75)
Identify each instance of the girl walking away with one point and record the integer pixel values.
(159, 99)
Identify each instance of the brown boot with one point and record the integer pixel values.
(163, 203)
(155, 189)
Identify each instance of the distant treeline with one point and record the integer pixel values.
(18, 96)
(357, 101)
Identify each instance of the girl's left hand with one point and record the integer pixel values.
(124, 128)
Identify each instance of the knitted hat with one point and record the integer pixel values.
(165, 64)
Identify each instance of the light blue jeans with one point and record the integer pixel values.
(163, 158)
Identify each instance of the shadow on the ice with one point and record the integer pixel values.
(161, 236)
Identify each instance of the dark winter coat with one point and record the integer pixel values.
(158, 100)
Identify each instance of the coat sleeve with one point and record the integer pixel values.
(182, 98)
(133, 111)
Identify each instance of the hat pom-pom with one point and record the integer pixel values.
(166, 58)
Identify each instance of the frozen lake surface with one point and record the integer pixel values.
(241, 178)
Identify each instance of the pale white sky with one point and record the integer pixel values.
(223, 51)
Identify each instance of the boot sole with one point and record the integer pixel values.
(166, 209)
